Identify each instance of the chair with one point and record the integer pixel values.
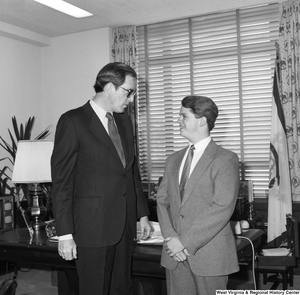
(280, 269)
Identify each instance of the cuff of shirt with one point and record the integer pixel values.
(65, 237)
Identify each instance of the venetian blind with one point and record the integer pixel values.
(227, 56)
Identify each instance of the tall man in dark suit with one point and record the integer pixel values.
(97, 192)
(195, 202)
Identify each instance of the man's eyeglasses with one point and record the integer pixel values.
(131, 92)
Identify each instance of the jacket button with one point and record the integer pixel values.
(124, 195)
(181, 216)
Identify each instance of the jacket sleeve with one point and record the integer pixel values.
(63, 162)
(142, 205)
(163, 205)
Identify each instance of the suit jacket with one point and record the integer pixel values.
(201, 219)
(93, 194)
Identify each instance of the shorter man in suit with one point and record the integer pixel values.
(195, 201)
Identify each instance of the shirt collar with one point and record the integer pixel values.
(101, 113)
(202, 144)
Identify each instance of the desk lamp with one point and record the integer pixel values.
(32, 167)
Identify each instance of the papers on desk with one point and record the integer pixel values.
(155, 239)
(276, 252)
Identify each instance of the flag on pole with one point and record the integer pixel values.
(280, 196)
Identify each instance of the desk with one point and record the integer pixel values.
(146, 258)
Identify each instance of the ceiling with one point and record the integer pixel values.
(37, 18)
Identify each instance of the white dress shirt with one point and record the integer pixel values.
(101, 113)
(200, 146)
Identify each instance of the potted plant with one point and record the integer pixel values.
(6, 187)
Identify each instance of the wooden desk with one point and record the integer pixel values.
(146, 258)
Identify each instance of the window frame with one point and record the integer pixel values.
(250, 46)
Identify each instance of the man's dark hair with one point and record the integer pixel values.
(202, 106)
(115, 73)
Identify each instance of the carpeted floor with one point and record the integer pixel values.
(37, 281)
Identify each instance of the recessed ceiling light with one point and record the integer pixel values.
(65, 7)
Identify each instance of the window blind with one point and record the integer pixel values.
(227, 56)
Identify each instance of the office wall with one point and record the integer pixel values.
(20, 85)
(70, 66)
(44, 82)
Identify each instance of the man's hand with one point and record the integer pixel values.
(145, 227)
(175, 249)
(174, 245)
(67, 249)
(181, 256)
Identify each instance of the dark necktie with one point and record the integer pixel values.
(186, 171)
(115, 137)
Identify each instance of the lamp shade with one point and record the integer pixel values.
(32, 163)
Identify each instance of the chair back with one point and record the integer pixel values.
(292, 228)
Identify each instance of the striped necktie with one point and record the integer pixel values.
(186, 171)
(115, 137)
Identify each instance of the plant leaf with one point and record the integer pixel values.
(28, 128)
(6, 158)
(4, 173)
(44, 133)
(7, 147)
(16, 129)
(13, 147)
(3, 180)
(21, 132)
(5, 186)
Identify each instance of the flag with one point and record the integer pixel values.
(280, 196)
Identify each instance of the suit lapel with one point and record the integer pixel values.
(175, 172)
(201, 166)
(97, 128)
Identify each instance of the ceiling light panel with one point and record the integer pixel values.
(65, 7)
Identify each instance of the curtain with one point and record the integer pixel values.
(124, 50)
(124, 45)
(290, 85)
